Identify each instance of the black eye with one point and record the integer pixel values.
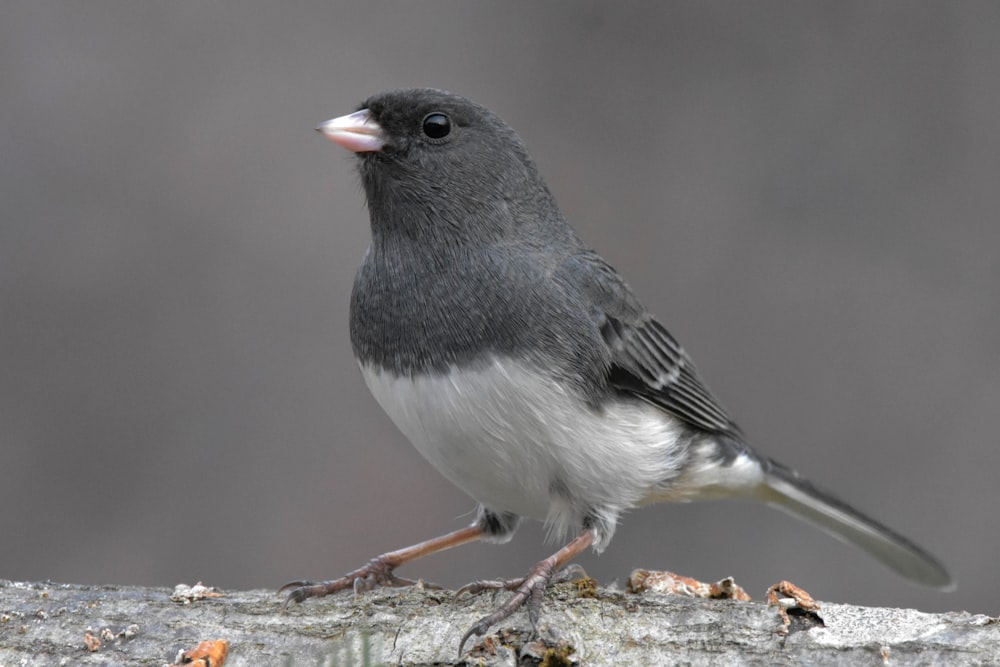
(437, 125)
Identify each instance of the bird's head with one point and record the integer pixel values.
(435, 161)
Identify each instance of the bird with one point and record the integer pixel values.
(523, 367)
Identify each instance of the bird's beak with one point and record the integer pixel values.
(356, 132)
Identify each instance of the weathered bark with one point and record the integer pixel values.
(45, 624)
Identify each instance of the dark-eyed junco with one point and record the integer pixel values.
(521, 365)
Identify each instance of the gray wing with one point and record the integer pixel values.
(646, 360)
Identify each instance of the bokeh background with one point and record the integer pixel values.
(807, 194)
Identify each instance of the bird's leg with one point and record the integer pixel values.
(527, 591)
(379, 570)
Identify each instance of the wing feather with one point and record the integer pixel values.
(645, 359)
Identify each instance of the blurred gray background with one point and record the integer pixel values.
(806, 193)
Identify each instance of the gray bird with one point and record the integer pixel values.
(521, 365)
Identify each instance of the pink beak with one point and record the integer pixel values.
(356, 132)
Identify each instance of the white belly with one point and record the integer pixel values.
(519, 442)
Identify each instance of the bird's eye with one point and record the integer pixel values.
(437, 125)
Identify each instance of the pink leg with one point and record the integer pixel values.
(379, 570)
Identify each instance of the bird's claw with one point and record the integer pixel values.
(569, 573)
(297, 592)
(476, 587)
(528, 591)
(377, 572)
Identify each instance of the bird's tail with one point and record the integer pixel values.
(785, 489)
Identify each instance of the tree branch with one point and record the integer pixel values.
(45, 624)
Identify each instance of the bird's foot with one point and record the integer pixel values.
(571, 572)
(377, 572)
(528, 591)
